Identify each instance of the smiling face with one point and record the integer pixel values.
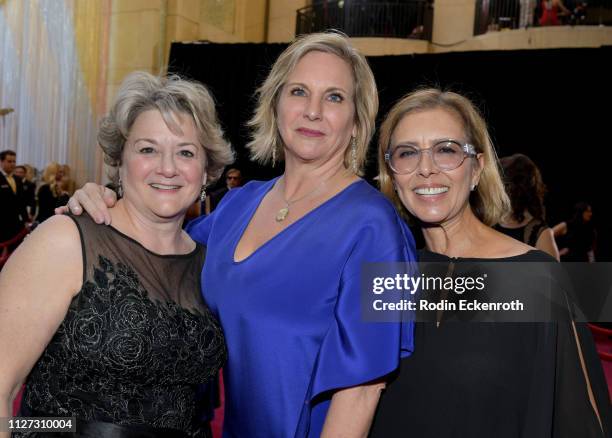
(316, 110)
(431, 195)
(162, 172)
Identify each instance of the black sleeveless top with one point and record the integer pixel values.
(136, 341)
(494, 380)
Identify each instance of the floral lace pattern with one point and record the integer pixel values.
(121, 357)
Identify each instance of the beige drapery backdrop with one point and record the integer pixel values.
(53, 61)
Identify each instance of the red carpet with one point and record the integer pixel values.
(217, 423)
(603, 343)
(17, 402)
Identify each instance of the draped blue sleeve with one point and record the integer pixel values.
(353, 351)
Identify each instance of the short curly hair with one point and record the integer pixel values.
(171, 96)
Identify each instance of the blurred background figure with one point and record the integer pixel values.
(527, 11)
(53, 192)
(14, 215)
(233, 179)
(551, 10)
(49, 172)
(68, 182)
(579, 13)
(577, 237)
(29, 188)
(526, 222)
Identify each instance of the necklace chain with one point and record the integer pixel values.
(282, 214)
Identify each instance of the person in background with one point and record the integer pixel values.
(14, 214)
(577, 236)
(112, 329)
(68, 182)
(284, 281)
(29, 190)
(551, 11)
(526, 221)
(476, 379)
(233, 179)
(526, 13)
(49, 172)
(52, 193)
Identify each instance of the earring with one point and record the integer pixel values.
(203, 194)
(274, 155)
(472, 187)
(119, 188)
(354, 154)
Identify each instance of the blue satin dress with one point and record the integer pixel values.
(291, 311)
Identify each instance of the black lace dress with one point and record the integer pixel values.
(134, 346)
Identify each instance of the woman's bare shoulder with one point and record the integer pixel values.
(52, 252)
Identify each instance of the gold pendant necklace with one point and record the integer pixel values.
(282, 214)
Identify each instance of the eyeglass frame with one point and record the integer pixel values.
(469, 150)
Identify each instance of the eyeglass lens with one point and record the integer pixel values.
(446, 155)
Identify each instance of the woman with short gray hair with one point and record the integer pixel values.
(112, 329)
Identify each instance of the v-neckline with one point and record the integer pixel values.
(272, 182)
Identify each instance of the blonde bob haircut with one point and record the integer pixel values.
(266, 137)
(172, 96)
(490, 201)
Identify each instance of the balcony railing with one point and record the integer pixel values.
(492, 15)
(408, 19)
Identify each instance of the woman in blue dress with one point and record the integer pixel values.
(284, 256)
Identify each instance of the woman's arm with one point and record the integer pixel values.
(546, 242)
(36, 287)
(94, 199)
(351, 411)
(560, 229)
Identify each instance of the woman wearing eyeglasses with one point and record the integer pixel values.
(503, 380)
